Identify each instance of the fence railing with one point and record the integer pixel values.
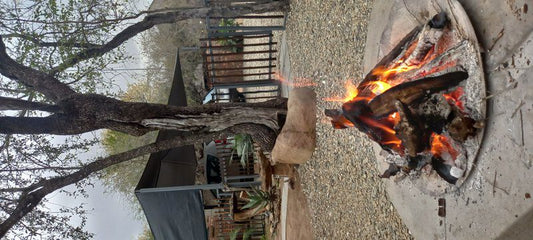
(225, 225)
(239, 61)
(239, 55)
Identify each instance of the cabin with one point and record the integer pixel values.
(185, 197)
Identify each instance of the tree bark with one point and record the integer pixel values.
(83, 113)
(31, 78)
(18, 104)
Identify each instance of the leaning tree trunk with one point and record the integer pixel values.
(82, 113)
(75, 113)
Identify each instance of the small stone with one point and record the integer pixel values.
(456, 172)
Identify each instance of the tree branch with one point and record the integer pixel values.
(40, 81)
(87, 112)
(169, 17)
(29, 199)
(51, 44)
(18, 104)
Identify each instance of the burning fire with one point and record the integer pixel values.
(408, 119)
(385, 79)
(453, 98)
(441, 145)
(366, 92)
(382, 84)
(399, 68)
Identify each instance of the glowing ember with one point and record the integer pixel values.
(297, 82)
(454, 98)
(441, 145)
(395, 118)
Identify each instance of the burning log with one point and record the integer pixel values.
(444, 170)
(411, 103)
(411, 131)
(428, 38)
(337, 119)
(409, 92)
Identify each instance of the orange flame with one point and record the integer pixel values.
(386, 78)
(453, 98)
(351, 94)
(377, 124)
(394, 118)
(378, 87)
(440, 145)
(386, 73)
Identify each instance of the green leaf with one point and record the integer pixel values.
(247, 234)
(234, 234)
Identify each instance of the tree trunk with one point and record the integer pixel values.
(82, 113)
(75, 113)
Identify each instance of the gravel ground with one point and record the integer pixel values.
(348, 201)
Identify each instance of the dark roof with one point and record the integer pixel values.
(174, 167)
(172, 213)
(176, 215)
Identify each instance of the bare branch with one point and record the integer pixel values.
(29, 199)
(51, 44)
(169, 17)
(38, 80)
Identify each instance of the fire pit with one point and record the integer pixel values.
(424, 104)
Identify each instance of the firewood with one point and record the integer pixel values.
(443, 170)
(428, 38)
(411, 131)
(409, 92)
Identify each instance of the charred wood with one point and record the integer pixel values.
(338, 121)
(434, 112)
(357, 112)
(428, 39)
(411, 131)
(409, 92)
(443, 170)
(391, 171)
